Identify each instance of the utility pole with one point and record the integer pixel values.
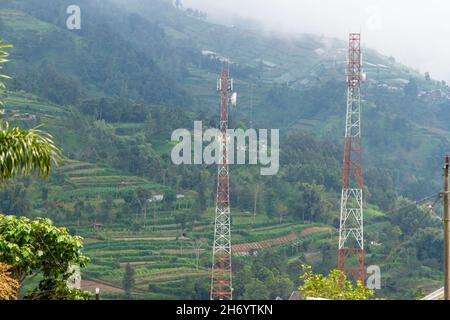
(446, 232)
(351, 230)
(221, 272)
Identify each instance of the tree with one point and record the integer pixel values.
(78, 209)
(128, 280)
(143, 196)
(14, 198)
(270, 199)
(201, 193)
(8, 285)
(334, 287)
(256, 290)
(409, 216)
(309, 203)
(197, 246)
(280, 286)
(282, 211)
(3, 58)
(45, 191)
(169, 199)
(181, 219)
(201, 290)
(150, 126)
(255, 202)
(35, 247)
(24, 151)
(56, 289)
(411, 89)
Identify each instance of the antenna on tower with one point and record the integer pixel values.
(351, 230)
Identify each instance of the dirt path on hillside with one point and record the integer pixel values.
(245, 247)
(171, 276)
(179, 251)
(136, 263)
(90, 285)
(314, 230)
(87, 170)
(145, 238)
(70, 163)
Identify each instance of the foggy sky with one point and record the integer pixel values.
(415, 32)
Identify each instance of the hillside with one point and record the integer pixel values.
(113, 92)
(299, 81)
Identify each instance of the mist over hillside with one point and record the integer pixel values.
(378, 21)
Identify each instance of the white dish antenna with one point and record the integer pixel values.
(219, 84)
(233, 99)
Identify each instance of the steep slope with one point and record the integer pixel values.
(300, 82)
(64, 65)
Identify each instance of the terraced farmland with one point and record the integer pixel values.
(90, 181)
(160, 247)
(162, 259)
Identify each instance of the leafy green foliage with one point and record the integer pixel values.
(26, 151)
(265, 278)
(56, 289)
(34, 246)
(256, 290)
(128, 280)
(334, 287)
(3, 55)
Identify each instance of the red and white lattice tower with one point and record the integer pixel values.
(351, 231)
(221, 274)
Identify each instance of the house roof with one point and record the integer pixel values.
(436, 295)
(295, 295)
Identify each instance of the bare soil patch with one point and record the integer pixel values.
(245, 247)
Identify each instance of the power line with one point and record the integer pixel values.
(416, 227)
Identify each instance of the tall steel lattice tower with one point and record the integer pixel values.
(351, 231)
(221, 274)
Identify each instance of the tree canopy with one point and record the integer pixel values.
(32, 246)
(128, 280)
(335, 286)
(37, 246)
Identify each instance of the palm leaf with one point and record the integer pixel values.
(26, 152)
(3, 55)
